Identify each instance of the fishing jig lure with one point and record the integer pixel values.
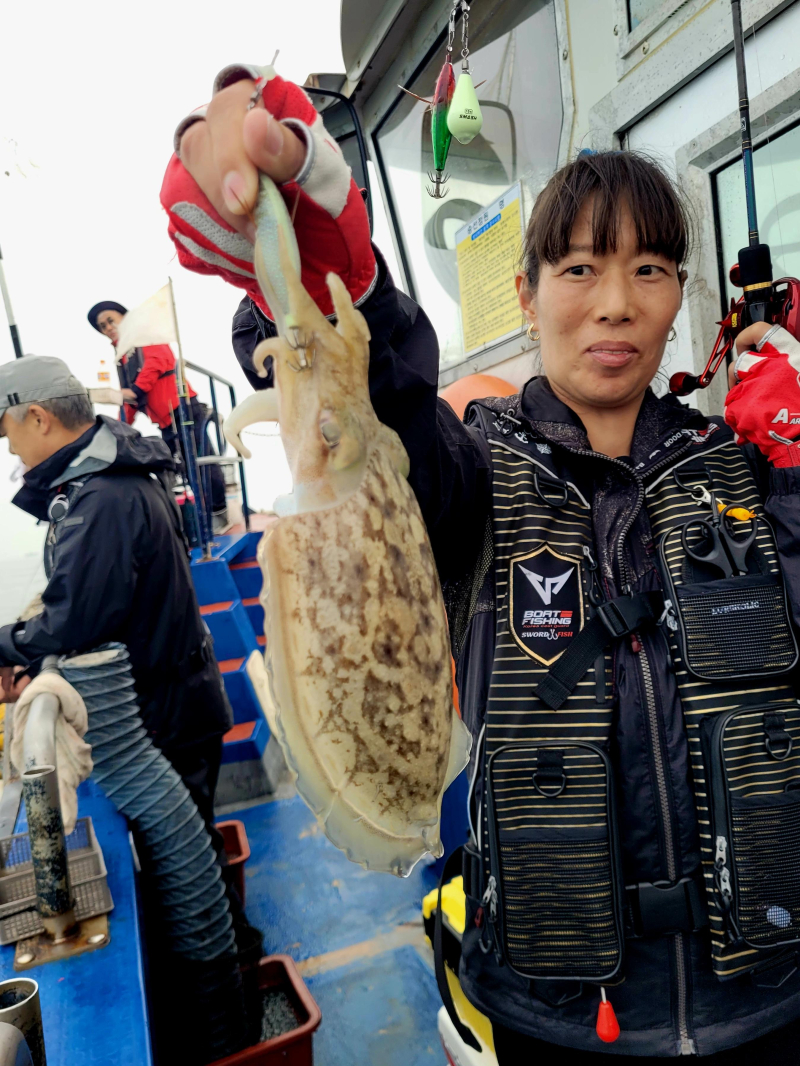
(455, 111)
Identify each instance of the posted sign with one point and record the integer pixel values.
(487, 252)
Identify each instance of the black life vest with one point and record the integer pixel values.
(542, 870)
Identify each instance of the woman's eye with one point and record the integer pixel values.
(649, 269)
(581, 271)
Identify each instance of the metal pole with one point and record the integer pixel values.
(744, 117)
(187, 434)
(221, 449)
(54, 899)
(12, 325)
(242, 482)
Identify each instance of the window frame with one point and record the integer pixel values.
(635, 44)
(773, 112)
(512, 346)
(771, 134)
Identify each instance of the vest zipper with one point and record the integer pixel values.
(685, 1042)
(667, 461)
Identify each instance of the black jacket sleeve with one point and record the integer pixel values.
(450, 469)
(91, 584)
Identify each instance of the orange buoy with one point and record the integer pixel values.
(475, 387)
(607, 1024)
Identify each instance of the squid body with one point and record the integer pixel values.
(356, 680)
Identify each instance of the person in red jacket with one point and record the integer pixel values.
(148, 383)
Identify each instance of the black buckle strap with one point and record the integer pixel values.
(613, 619)
(661, 908)
(777, 741)
(626, 614)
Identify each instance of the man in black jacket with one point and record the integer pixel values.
(116, 564)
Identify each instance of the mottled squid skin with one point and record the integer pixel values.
(358, 685)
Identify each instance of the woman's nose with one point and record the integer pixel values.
(614, 300)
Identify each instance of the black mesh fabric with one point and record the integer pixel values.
(736, 631)
(558, 908)
(463, 598)
(766, 839)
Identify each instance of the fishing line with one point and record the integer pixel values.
(255, 433)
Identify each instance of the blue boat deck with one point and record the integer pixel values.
(94, 1010)
(356, 935)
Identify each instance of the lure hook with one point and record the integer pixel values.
(439, 179)
(305, 349)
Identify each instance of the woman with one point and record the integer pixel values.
(559, 517)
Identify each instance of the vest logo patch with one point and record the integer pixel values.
(546, 602)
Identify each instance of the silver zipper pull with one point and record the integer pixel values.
(721, 854)
(668, 615)
(723, 873)
(490, 898)
(591, 562)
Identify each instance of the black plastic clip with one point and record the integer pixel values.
(549, 778)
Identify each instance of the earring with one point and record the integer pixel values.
(533, 332)
(672, 334)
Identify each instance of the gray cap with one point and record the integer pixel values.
(34, 378)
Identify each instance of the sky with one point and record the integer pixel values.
(90, 94)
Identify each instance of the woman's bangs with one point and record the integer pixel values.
(615, 182)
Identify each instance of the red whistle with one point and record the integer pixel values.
(607, 1024)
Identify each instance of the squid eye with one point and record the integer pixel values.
(332, 433)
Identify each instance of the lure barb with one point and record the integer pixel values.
(437, 188)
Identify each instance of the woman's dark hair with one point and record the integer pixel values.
(614, 180)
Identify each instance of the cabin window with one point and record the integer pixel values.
(776, 165)
(639, 10)
(515, 53)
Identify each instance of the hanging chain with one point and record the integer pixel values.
(464, 35)
(451, 31)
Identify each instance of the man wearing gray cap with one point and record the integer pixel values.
(116, 563)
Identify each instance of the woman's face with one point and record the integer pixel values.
(603, 320)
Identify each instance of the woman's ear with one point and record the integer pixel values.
(682, 276)
(527, 299)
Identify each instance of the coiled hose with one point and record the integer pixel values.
(174, 844)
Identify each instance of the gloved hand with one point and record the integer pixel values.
(210, 189)
(763, 407)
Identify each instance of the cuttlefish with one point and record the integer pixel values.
(356, 680)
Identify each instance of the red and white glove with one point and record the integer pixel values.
(330, 219)
(763, 407)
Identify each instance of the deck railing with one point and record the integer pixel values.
(222, 458)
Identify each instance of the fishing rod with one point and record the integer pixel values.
(762, 299)
(12, 325)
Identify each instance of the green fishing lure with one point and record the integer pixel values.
(455, 111)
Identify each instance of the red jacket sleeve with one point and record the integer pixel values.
(330, 219)
(158, 359)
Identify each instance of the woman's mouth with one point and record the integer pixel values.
(612, 353)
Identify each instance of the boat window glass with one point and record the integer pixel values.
(515, 53)
(639, 10)
(775, 166)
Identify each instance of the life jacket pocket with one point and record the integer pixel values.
(554, 894)
(752, 759)
(728, 627)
